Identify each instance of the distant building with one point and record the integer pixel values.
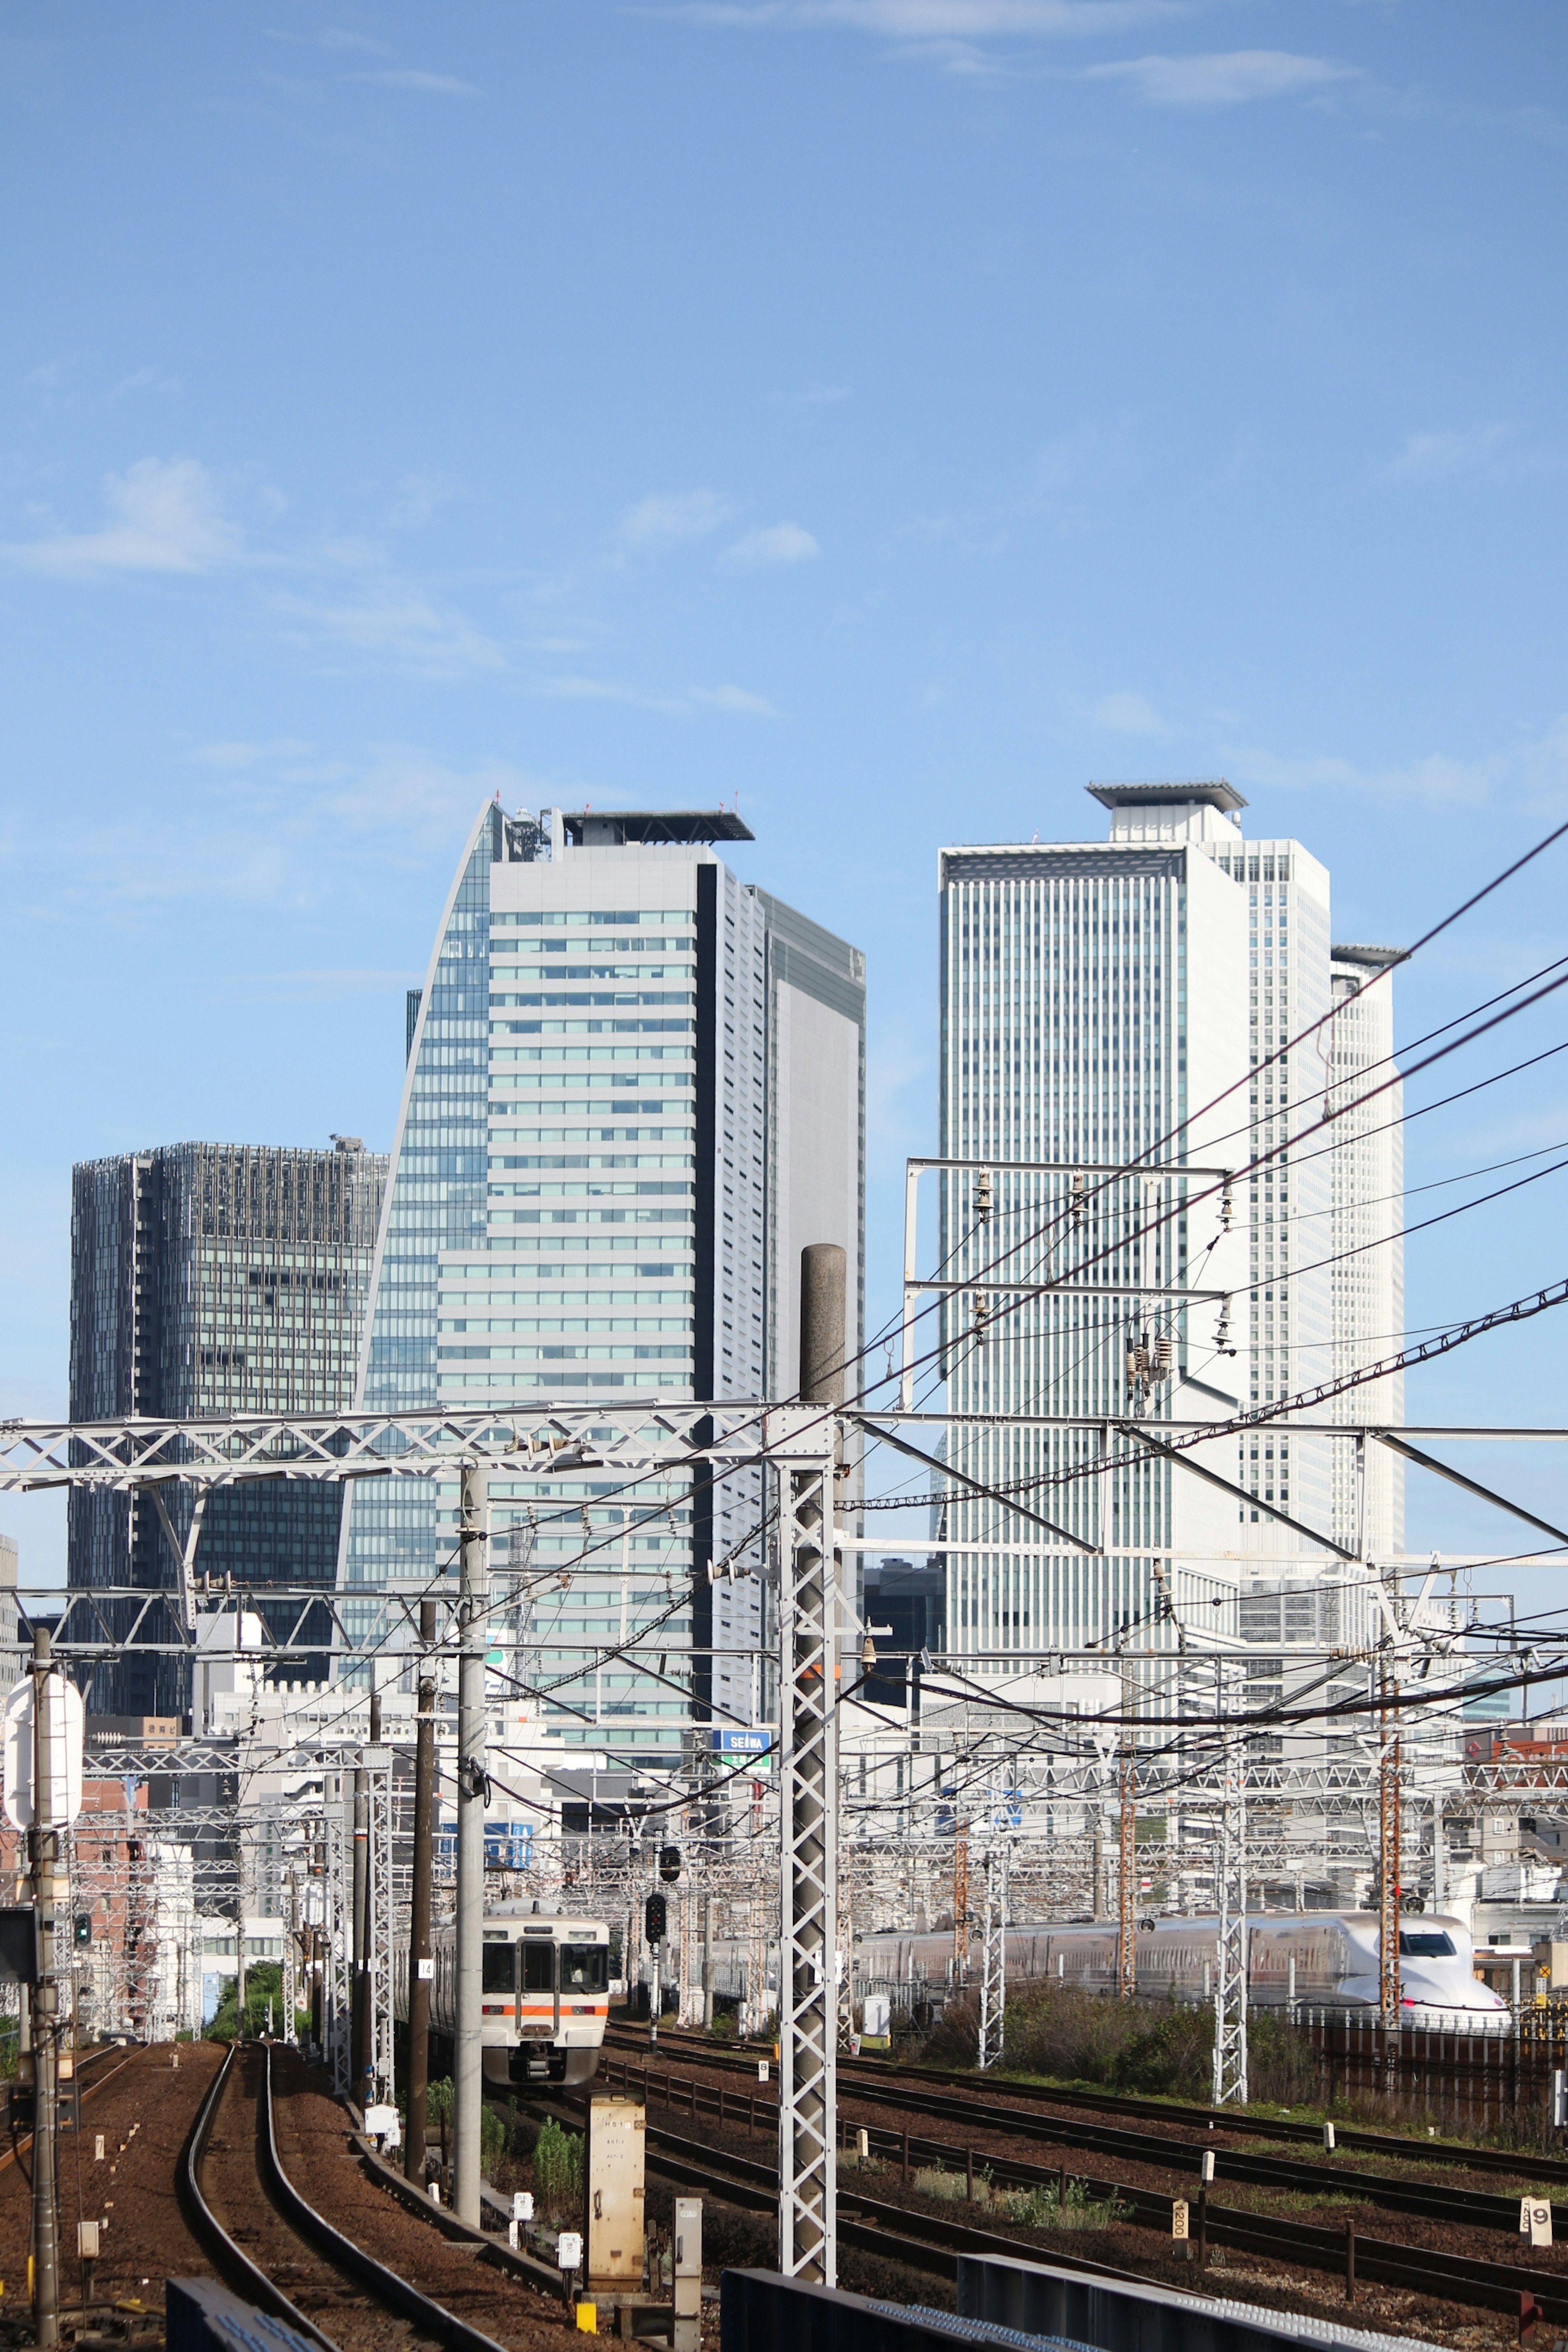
(904, 1612)
(212, 1279)
(635, 1089)
(10, 1576)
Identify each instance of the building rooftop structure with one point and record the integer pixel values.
(621, 828)
(1214, 793)
(1374, 959)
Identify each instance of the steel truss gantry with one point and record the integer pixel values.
(805, 1455)
(994, 1961)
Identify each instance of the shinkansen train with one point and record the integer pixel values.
(1336, 1952)
(544, 1995)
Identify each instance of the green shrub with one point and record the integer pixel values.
(558, 2167)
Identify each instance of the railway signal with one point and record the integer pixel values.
(655, 1919)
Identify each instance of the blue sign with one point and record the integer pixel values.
(742, 1743)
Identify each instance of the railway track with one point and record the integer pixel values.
(1431, 2200)
(913, 2086)
(931, 2241)
(300, 2259)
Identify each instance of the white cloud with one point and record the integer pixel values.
(419, 497)
(782, 542)
(572, 688)
(933, 20)
(328, 36)
(734, 699)
(1492, 452)
(411, 78)
(1126, 714)
(401, 628)
(166, 516)
(1231, 78)
(663, 519)
(419, 802)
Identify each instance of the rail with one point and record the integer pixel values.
(1423, 2270)
(428, 2318)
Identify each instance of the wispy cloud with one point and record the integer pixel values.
(165, 514)
(1229, 78)
(933, 20)
(1493, 453)
(419, 497)
(1531, 772)
(665, 519)
(398, 627)
(1127, 713)
(436, 85)
(736, 699)
(324, 36)
(782, 542)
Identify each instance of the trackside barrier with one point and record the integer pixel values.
(203, 2316)
(1027, 2306)
(1025, 2301)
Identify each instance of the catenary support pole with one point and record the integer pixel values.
(708, 1962)
(359, 2038)
(419, 1919)
(468, 2084)
(807, 1451)
(45, 2012)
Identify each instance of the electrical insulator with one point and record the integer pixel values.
(977, 1330)
(1077, 1196)
(1164, 1356)
(1227, 1208)
(1222, 1332)
(983, 1198)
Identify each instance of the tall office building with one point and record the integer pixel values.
(1369, 1279)
(635, 1091)
(1096, 997)
(209, 1279)
(1090, 1010)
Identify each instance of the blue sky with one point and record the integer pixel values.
(892, 412)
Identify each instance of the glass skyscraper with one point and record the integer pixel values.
(634, 1090)
(210, 1279)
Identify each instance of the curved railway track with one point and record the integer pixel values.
(932, 2241)
(304, 2257)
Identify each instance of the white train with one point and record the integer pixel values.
(544, 1995)
(1335, 1953)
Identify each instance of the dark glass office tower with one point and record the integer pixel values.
(209, 1279)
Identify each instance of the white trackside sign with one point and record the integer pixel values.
(65, 1722)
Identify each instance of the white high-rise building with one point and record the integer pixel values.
(1369, 1280)
(1096, 998)
(634, 1090)
(1093, 1001)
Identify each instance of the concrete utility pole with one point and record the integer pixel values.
(420, 1920)
(45, 2013)
(467, 2083)
(808, 1612)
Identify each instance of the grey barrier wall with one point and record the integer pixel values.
(1017, 2307)
(1035, 2299)
(203, 2316)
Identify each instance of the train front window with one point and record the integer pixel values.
(536, 1970)
(584, 1968)
(496, 1973)
(1432, 1946)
